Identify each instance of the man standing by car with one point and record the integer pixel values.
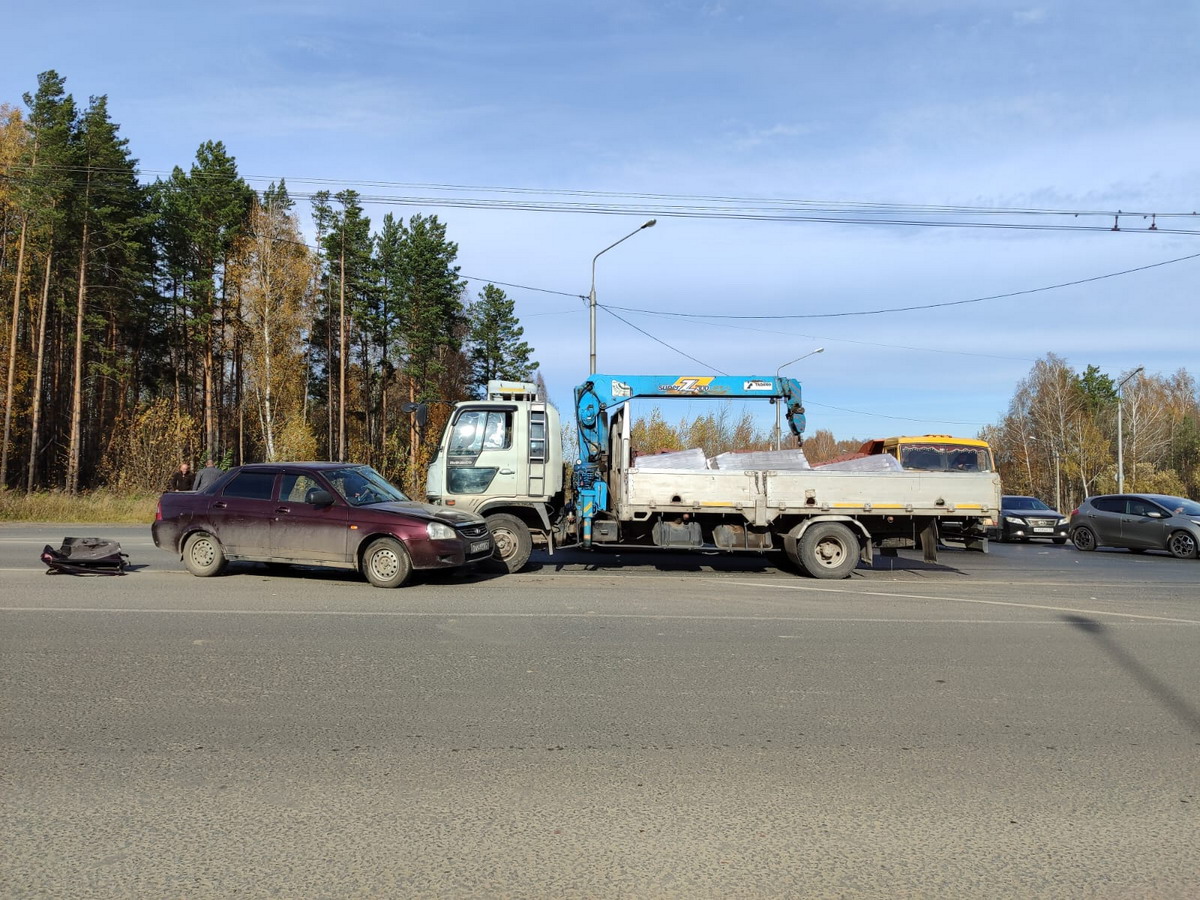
(182, 480)
(208, 475)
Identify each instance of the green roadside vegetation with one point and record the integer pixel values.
(94, 507)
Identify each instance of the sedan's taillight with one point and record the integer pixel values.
(158, 512)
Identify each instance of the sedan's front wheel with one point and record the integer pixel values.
(202, 555)
(1182, 545)
(386, 564)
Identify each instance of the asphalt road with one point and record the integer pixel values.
(1020, 724)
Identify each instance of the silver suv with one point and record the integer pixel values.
(1138, 522)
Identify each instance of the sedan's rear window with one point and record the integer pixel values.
(251, 486)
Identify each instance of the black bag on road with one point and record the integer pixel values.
(85, 556)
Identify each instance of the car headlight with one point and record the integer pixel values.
(439, 531)
(1013, 520)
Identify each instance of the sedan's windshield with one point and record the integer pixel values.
(362, 486)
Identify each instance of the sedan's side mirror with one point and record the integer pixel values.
(318, 497)
(1155, 514)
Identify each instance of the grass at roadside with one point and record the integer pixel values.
(99, 507)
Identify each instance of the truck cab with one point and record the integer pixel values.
(501, 457)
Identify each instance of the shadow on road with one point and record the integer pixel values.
(1160, 691)
(652, 559)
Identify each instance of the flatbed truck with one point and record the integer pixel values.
(502, 457)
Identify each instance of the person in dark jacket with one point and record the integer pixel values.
(208, 475)
(182, 480)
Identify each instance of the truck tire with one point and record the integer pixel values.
(513, 542)
(202, 555)
(828, 550)
(386, 564)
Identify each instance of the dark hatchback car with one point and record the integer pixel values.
(1027, 518)
(316, 514)
(1138, 522)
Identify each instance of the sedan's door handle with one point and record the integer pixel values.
(283, 509)
(219, 505)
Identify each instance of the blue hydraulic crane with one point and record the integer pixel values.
(600, 393)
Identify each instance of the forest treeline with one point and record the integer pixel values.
(145, 324)
(1060, 439)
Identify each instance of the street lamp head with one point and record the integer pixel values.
(649, 224)
(798, 358)
(1130, 375)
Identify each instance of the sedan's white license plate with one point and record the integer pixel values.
(1042, 530)
(479, 546)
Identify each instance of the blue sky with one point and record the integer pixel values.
(654, 108)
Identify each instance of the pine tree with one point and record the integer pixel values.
(204, 212)
(110, 215)
(39, 202)
(346, 242)
(496, 348)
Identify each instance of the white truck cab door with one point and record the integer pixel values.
(484, 454)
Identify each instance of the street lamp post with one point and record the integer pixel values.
(1120, 431)
(592, 296)
(779, 400)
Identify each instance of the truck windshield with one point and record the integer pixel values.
(944, 457)
(480, 429)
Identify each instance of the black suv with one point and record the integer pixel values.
(1026, 518)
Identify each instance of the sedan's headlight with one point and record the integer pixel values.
(440, 532)
(1014, 520)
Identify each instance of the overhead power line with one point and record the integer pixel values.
(763, 209)
(895, 309)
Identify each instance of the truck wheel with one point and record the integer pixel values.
(513, 542)
(386, 564)
(828, 550)
(202, 555)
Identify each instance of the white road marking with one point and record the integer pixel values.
(1038, 606)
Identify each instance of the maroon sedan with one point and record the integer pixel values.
(316, 514)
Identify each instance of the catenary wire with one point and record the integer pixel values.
(894, 309)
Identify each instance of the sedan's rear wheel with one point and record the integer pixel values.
(386, 564)
(1182, 545)
(1083, 538)
(202, 555)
